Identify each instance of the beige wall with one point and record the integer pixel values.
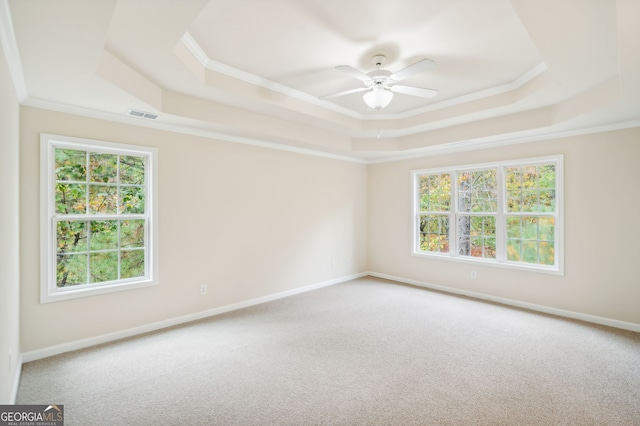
(252, 222)
(602, 208)
(246, 221)
(9, 236)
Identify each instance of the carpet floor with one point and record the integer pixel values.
(365, 352)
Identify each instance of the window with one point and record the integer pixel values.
(506, 213)
(98, 217)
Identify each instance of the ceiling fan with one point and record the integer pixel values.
(381, 84)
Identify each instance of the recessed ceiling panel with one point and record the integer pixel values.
(477, 44)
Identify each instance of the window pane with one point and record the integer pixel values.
(71, 269)
(132, 263)
(531, 188)
(547, 200)
(71, 198)
(546, 253)
(103, 267)
(529, 176)
(514, 227)
(489, 248)
(464, 232)
(132, 170)
(531, 239)
(103, 199)
(71, 237)
(513, 183)
(547, 174)
(71, 165)
(132, 233)
(104, 235)
(132, 199)
(434, 233)
(477, 191)
(103, 168)
(529, 201)
(514, 250)
(530, 251)
(546, 228)
(529, 228)
(514, 201)
(435, 192)
(476, 236)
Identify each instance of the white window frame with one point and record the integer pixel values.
(500, 261)
(48, 289)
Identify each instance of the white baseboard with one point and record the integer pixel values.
(105, 338)
(16, 381)
(531, 306)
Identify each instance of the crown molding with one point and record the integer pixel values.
(10, 47)
(431, 151)
(158, 124)
(503, 140)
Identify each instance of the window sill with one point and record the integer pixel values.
(525, 267)
(91, 290)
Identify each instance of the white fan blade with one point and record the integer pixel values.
(347, 92)
(414, 91)
(420, 66)
(354, 72)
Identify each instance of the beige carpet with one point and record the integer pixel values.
(366, 352)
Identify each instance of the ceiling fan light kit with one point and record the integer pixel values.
(381, 84)
(378, 98)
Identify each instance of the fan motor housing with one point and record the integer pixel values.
(379, 77)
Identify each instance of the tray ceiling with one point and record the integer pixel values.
(257, 71)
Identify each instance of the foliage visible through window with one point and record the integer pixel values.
(435, 204)
(477, 209)
(531, 207)
(99, 216)
(98, 250)
(504, 213)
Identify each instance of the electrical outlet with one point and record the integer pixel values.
(474, 275)
(333, 264)
(203, 289)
